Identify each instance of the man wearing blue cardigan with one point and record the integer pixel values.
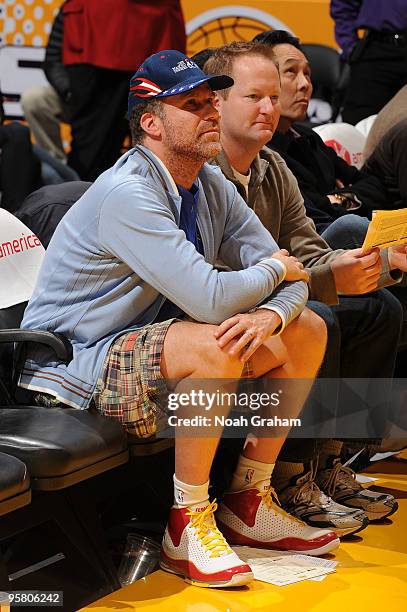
(129, 278)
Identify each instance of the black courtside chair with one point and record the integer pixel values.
(63, 449)
(330, 75)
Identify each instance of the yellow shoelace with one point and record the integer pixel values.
(270, 498)
(207, 531)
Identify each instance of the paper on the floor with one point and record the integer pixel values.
(381, 456)
(321, 563)
(352, 459)
(362, 479)
(331, 564)
(281, 569)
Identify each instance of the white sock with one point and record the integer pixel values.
(190, 495)
(249, 472)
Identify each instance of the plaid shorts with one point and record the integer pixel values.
(131, 387)
(131, 384)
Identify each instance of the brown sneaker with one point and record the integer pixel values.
(339, 482)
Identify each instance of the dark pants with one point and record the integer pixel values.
(98, 118)
(378, 71)
(363, 334)
(349, 232)
(20, 170)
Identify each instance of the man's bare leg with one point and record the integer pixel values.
(300, 350)
(192, 546)
(191, 352)
(249, 514)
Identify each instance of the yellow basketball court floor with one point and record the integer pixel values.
(371, 575)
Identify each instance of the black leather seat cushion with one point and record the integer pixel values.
(14, 478)
(57, 441)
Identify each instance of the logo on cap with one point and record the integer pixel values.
(184, 64)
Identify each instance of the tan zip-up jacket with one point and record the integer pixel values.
(276, 199)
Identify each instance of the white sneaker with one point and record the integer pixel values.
(254, 517)
(194, 548)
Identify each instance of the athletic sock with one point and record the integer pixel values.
(192, 496)
(249, 472)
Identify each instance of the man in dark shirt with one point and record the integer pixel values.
(378, 61)
(325, 178)
(330, 187)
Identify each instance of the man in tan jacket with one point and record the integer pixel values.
(360, 327)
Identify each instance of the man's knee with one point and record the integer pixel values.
(326, 313)
(223, 363)
(195, 349)
(347, 232)
(312, 330)
(388, 310)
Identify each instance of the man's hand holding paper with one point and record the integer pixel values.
(356, 272)
(398, 257)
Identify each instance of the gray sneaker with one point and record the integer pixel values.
(340, 483)
(303, 499)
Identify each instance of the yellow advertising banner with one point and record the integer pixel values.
(208, 22)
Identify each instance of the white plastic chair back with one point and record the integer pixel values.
(345, 139)
(365, 125)
(21, 255)
(319, 111)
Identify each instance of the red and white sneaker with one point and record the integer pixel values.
(194, 548)
(254, 517)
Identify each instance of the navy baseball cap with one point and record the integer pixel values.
(168, 73)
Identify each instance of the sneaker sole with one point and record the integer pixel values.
(374, 516)
(236, 539)
(322, 550)
(351, 531)
(340, 531)
(237, 579)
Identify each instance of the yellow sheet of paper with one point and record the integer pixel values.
(387, 228)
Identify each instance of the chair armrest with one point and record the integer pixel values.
(60, 345)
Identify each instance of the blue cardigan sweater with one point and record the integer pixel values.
(119, 252)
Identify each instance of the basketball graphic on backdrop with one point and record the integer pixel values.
(226, 24)
(25, 26)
